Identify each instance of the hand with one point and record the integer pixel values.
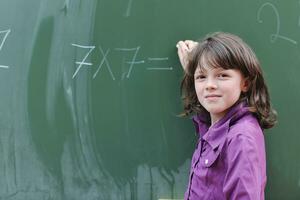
(183, 50)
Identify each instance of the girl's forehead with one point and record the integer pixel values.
(209, 61)
(204, 69)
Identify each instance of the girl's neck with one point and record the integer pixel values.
(216, 117)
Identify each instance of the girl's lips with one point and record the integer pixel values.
(212, 96)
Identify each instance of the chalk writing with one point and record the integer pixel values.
(128, 10)
(5, 33)
(104, 59)
(133, 61)
(159, 68)
(166, 58)
(82, 63)
(274, 36)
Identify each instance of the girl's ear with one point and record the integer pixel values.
(245, 85)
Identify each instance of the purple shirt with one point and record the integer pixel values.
(229, 161)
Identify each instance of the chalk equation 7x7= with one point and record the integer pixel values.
(156, 63)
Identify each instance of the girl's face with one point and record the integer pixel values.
(218, 89)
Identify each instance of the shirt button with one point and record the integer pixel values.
(206, 161)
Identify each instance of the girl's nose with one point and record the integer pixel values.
(211, 84)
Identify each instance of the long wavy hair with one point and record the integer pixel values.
(228, 51)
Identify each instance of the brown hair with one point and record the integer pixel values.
(228, 51)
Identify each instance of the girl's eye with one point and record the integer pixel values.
(200, 77)
(222, 75)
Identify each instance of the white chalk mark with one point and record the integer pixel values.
(133, 61)
(104, 59)
(125, 49)
(108, 66)
(286, 38)
(159, 59)
(7, 32)
(136, 62)
(82, 63)
(277, 18)
(82, 46)
(274, 36)
(128, 10)
(160, 68)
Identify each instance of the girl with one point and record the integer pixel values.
(223, 86)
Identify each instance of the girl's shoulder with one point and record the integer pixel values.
(247, 126)
(245, 138)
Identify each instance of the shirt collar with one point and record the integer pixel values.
(215, 134)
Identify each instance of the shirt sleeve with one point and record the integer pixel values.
(243, 177)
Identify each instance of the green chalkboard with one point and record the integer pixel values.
(90, 94)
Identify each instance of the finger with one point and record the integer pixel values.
(178, 43)
(182, 45)
(181, 53)
(190, 44)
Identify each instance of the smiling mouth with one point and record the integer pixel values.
(212, 96)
